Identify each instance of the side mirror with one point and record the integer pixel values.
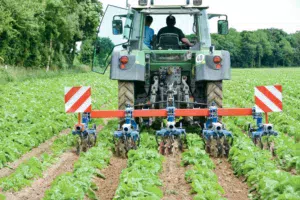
(223, 27)
(117, 27)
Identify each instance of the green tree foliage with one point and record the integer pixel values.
(40, 33)
(267, 47)
(102, 47)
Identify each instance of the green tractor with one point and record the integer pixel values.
(146, 76)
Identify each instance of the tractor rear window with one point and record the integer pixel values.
(183, 22)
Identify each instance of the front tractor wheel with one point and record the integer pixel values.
(214, 92)
(125, 94)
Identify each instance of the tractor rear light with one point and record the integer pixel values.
(123, 61)
(197, 2)
(143, 2)
(217, 59)
(218, 66)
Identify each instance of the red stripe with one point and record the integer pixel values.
(278, 87)
(71, 93)
(270, 96)
(89, 109)
(80, 101)
(261, 105)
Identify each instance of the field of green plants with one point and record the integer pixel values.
(33, 113)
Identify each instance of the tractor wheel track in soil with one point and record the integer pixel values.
(35, 152)
(37, 190)
(107, 187)
(174, 185)
(234, 188)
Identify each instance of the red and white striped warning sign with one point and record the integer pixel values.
(78, 99)
(268, 98)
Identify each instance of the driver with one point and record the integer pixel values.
(170, 28)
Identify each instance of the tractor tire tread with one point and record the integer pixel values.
(125, 94)
(214, 91)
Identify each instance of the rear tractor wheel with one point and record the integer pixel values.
(214, 93)
(125, 94)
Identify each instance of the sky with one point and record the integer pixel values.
(243, 14)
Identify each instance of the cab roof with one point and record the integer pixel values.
(170, 7)
(162, 11)
(167, 4)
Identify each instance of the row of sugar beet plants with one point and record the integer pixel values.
(33, 168)
(264, 178)
(285, 147)
(33, 111)
(140, 180)
(203, 180)
(79, 183)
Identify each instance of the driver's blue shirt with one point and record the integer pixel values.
(149, 33)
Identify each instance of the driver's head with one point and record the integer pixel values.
(171, 20)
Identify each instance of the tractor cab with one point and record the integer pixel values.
(124, 28)
(147, 73)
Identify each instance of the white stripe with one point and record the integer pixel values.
(266, 101)
(258, 109)
(275, 92)
(75, 97)
(67, 89)
(85, 105)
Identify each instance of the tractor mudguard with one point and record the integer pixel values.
(208, 72)
(132, 72)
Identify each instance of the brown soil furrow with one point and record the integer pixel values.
(39, 186)
(36, 152)
(174, 185)
(108, 187)
(234, 188)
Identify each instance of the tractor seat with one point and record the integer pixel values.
(169, 41)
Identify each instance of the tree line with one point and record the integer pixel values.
(43, 33)
(261, 48)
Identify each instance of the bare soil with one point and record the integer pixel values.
(174, 185)
(39, 186)
(234, 188)
(36, 152)
(107, 187)
(64, 164)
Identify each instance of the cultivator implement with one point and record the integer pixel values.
(127, 136)
(170, 138)
(87, 137)
(217, 139)
(261, 133)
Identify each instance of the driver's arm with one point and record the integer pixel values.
(184, 39)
